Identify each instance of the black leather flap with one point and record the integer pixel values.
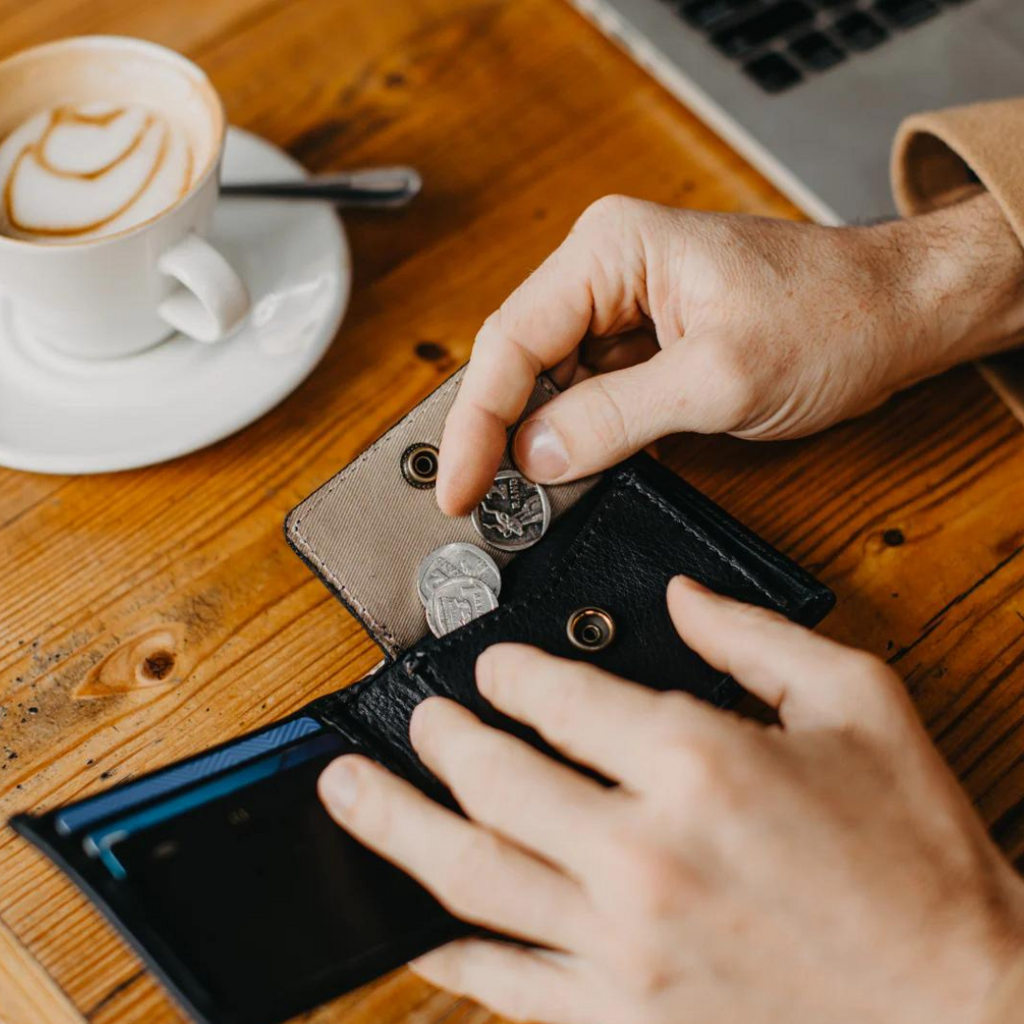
(615, 550)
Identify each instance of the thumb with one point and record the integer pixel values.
(605, 418)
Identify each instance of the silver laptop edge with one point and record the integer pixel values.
(825, 143)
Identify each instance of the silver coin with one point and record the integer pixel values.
(430, 621)
(458, 602)
(514, 514)
(452, 561)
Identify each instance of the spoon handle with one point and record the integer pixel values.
(372, 187)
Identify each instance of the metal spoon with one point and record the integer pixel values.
(367, 188)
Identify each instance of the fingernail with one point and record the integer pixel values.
(338, 785)
(416, 721)
(690, 584)
(485, 669)
(540, 452)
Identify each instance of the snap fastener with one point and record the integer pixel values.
(590, 629)
(419, 464)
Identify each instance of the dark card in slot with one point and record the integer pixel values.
(260, 892)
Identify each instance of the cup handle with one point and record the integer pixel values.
(212, 299)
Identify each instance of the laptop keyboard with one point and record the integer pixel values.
(779, 43)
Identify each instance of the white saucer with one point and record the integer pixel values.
(65, 415)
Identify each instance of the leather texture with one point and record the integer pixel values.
(616, 550)
(618, 541)
(366, 530)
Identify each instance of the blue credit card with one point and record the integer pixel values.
(100, 842)
(160, 783)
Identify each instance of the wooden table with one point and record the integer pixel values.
(146, 615)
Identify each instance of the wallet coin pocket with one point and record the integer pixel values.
(367, 531)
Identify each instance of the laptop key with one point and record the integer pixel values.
(743, 38)
(859, 31)
(904, 13)
(816, 51)
(773, 72)
(705, 14)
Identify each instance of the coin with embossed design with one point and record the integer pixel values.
(458, 602)
(514, 514)
(452, 561)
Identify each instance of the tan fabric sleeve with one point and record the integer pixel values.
(937, 157)
(1007, 1002)
(934, 155)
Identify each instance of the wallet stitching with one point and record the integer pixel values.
(694, 532)
(407, 421)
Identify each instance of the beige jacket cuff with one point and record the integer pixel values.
(939, 156)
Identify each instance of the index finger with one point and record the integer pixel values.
(535, 328)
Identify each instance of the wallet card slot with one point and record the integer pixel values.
(245, 897)
(76, 817)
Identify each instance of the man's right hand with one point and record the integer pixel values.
(665, 320)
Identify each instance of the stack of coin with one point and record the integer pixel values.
(457, 583)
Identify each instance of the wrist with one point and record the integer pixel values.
(961, 274)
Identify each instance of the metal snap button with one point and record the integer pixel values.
(590, 629)
(419, 464)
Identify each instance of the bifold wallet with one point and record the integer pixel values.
(223, 870)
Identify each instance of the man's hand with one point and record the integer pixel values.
(828, 870)
(668, 320)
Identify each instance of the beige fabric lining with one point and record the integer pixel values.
(367, 530)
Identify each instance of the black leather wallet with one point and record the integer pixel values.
(223, 870)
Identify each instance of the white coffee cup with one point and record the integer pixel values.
(121, 293)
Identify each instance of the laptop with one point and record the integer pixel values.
(811, 91)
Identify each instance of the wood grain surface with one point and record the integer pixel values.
(146, 615)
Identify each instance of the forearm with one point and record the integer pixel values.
(962, 280)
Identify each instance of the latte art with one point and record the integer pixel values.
(79, 172)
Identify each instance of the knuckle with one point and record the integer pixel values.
(611, 207)
(490, 329)
(696, 766)
(498, 330)
(645, 968)
(871, 674)
(465, 880)
(474, 768)
(609, 425)
(653, 880)
(879, 693)
(610, 211)
(563, 705)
